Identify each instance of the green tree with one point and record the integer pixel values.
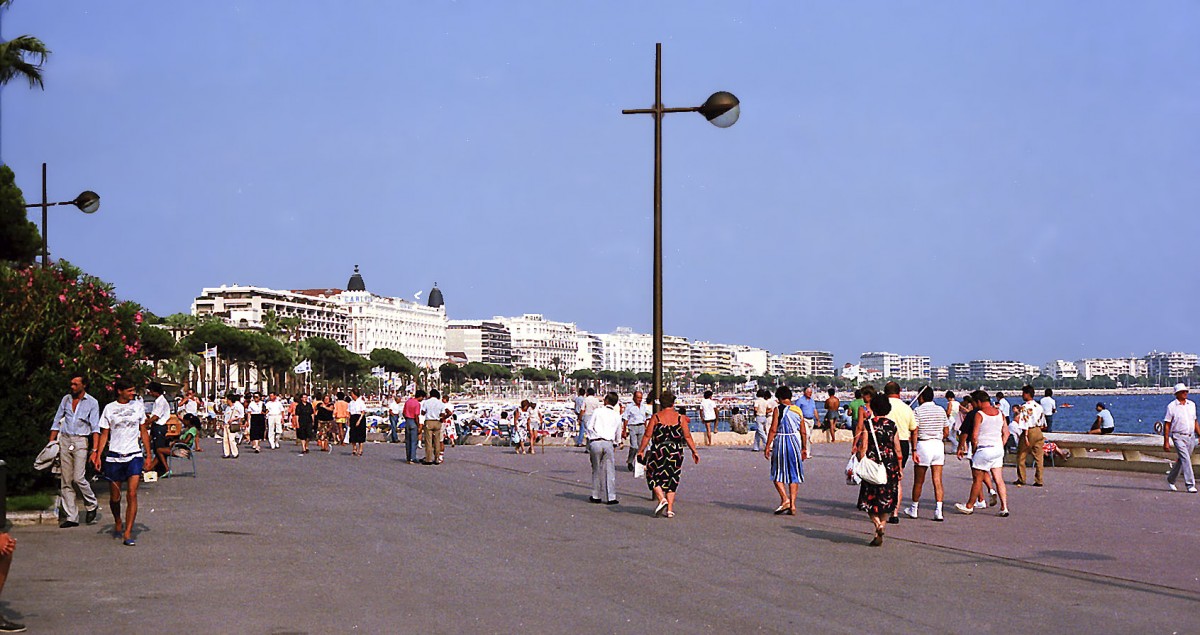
(583, 374)
(22, 58)
(157, 343)
(705, 379)
(393, 361)
(19, 238)
(56, 321)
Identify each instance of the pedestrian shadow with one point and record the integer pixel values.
(829, 509)
(1073, 555)
(108, 529)
(1138, 489)
(836, 537)
(583, 498)
(745, 507)
(12, 613)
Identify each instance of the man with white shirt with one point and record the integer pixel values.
(1180, 427)
(274, 408)
(1005, 409)
(76, 425)
(157, 419)
(1030, 420)
(395, 409)
(1049, 407)
(635, 417)
(591, 403)
(929, 450)
(603, 427)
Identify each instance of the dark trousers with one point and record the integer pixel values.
(394, 437)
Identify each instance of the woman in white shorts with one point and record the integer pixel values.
(989, 437)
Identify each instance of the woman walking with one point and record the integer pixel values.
(668, 429)
(358, 422)
(325, 429)
(988, 437)
(881, 444)
(302, 418)
(520, 429)
(787, 447)
(341, 419)
(258, 421)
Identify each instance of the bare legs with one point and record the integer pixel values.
(787, 496)
(114, 504)
(998, 479)
(880, 523)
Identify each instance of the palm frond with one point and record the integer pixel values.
(23, 57)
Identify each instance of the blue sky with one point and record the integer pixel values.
(1009, 180)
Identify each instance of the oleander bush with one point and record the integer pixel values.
(54, 322)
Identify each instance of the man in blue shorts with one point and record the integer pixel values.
(122, 426)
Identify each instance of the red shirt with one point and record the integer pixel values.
(412, 408)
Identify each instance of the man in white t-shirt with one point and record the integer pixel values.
(233, 423)
(125, 445)
(1180, 427)
(395, 409)
(1030, 421)
(708, 416)
(591, 403)
(274, 408)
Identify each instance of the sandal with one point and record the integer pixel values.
(782, 509)
(129, 542)
(670, 514)
(659, 510)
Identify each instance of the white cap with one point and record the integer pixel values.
(1180, 388)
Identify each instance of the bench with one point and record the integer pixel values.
(1128, 452)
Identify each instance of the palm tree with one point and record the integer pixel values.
(22, 57)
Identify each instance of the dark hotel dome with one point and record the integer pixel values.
(356, 282)
(435, 297)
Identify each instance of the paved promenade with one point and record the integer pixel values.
(493, 542)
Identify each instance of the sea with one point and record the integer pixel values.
(1133, 414)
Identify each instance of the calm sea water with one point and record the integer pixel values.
(1132, 413)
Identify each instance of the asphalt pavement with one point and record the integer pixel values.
(494, 542)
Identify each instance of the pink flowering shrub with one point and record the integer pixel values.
(54, 322)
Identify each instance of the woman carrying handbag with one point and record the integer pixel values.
(879, 443)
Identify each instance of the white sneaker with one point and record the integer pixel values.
(1192, 489)
(1171, 486)
(937, 515)
(966, 509)
(910, 512)
(981, 505)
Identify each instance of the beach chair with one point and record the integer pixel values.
(188, 450)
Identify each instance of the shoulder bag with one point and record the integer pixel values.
(868, 469)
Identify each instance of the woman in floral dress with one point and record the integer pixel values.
(879, 501)
(669, 431)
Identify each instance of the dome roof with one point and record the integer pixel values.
(356, 282)
(435, 297)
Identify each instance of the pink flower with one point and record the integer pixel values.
(62, 297)
(97, 346)
(130, 349)
(104, 332)
(137, 317)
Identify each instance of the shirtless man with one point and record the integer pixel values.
(832, 403)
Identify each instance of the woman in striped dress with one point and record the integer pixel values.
(787, 447)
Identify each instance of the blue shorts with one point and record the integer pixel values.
(120, 472)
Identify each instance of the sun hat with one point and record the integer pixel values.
(1180, 388)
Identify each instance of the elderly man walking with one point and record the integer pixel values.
(603, 427)
(76, 425)
(1030, 421)
(1180, 427)
(635, 416)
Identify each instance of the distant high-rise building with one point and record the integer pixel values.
(480, 341)
(541, 343)
(991, 370)
(892, 365)
(1060, 369)
(1111, 367)
(1170, 365)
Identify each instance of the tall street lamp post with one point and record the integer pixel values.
(721, 110)
(87, 202)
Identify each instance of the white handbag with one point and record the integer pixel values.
(869, 470)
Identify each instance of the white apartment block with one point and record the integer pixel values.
(1170, 365)
(243, 307)
(897, 366)
(714, 359)
(626, 350)
(820, 363)
(480, 341)
(775, 366)
(590, 353)
(1061, 369)
(416, 330)
(960, 371)
(1111, 367)
(677, 355)
(991, 370)
(940, 373)
(751, 361)
(538, 342)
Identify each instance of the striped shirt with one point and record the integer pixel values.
(931, 421)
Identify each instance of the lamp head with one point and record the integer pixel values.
(87, 202)
(721, 109)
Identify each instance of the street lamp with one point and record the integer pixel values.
(721, 109)
(87, 202)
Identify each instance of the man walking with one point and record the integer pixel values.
(906, 427)
(1180, 427)
(395, 409)
(603, 427)
(579, 409)
(411, 413)
(432, 410)
(76, 425)
(1030, 421)
(927, 439)
(591, 404)
(808, 408)
(635, 417)
(708, 416)
(234, 420)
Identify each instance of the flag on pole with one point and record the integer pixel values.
(303, 367)
(210, 353)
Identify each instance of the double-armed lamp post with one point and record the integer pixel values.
(87, 202)
(721, 110)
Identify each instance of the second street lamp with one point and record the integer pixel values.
(721, 109)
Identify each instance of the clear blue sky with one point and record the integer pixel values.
(964, 180)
